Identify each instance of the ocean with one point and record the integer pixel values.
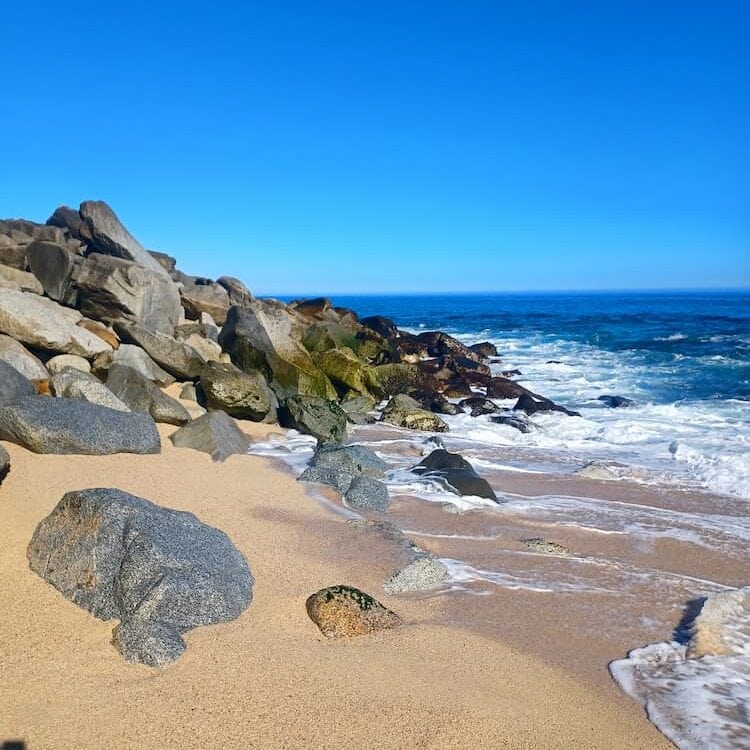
(671, 523)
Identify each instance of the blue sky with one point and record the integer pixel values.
(330, 147)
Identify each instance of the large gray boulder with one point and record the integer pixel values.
(244, 395)
(40, 322)
(353, 470)
(22, 281)
(109, 236)
(365, 493)
(238, 293)
(456, 472)
(142, 395)
(265, 335)
(62, 425)
(404, 411)
(113, 289)
(318, 417)
(73, 383)
(176, 358)
(13, 385)
(54, 265)
(161, 572)
(133, 356)
(203, 295)
(21, 359)
(61, 362)
(215, 433)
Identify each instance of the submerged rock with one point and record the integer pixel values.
(457, 472)
(215, 433)
(484, 349)
(616, 402)
(365, 493)
(547, 548)
(531, 404)
(479, 406)
(517, 423)
(344, 611)
(419, 575)
(161, 572)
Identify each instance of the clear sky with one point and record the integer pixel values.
(328, 147)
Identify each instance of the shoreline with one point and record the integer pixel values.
(269, 678)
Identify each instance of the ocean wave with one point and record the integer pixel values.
(697, 690)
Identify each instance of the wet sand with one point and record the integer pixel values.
(512, 669)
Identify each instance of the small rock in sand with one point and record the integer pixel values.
(344, 611)
(547, 548)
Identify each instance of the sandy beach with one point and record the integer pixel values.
(270, 679)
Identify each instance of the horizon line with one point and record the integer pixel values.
(488, 292)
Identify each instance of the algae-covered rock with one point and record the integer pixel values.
(265, 335)
(404, 411)
(347, 371)
(345, 611)
(318, 417)
(241, 394)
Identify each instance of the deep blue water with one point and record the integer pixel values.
(696, 345)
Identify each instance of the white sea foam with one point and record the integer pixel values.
(700, 699)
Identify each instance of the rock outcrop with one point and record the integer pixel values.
(244, 395)
(161, 572)
(142, 395)
(318, 417)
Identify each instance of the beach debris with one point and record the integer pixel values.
(344, 611)
(319, 417)
(404, 411)
(544, 547)
(72, 383)
(66, 425)
(420, 574)
(215, 433)
(161, 572)
(456, 472)
(142, 395)
(243, 395)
